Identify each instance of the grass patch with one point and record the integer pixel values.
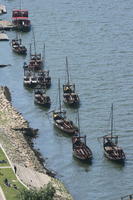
(10, 192)
(3, 157)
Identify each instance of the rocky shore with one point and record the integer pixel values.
(16, 138)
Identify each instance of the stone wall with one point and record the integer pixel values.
(16, 138)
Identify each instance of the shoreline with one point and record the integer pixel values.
(16, 138)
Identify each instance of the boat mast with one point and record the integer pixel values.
(34, 42)
(67, 71)
(30, 51)
(20, 4)
(43, 58)
(78, 123)
(59, 95)
(112, 120)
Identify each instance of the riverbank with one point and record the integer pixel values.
(16, 138)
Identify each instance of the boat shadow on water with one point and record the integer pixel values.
(29, 89)
(42, 107)
(83, 164)
(74, 106)
(116, 164)
(60, 133)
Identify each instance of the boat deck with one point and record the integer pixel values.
(6, 25)
(128, 197)
(3, 9)
(3, 37)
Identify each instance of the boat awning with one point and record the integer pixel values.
(20, 10)
(24, 18)
(59, 120)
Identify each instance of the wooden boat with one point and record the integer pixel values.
(30, 80)
(20, 20)
(70, 97)
(127, 197)
(4, 65)
(18, 47)
(3, 36)
(36, 60)
(110, 144)
(44, 78)
(40, 97)
(43, 75)
(60, 120)
(80, 149)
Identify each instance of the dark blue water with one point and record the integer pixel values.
(97, 37)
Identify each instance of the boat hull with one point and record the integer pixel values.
(47, 105)
(30, 85)
(120, 159)
(89, 158)
(68, 131)
(20, 52)
(22, 28)
(71, 103)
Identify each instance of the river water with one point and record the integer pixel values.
(97, 37)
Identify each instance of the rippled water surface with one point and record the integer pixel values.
(97, 37)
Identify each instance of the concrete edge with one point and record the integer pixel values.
(2, 194)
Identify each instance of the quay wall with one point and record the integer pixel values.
(16, 138)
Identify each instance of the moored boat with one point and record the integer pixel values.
(21, 20)
(36, 59)
(18, 47)
(65, 125)
(80, 149)
(30, 80)
(44, 78)
(70, 97)
(43, 75)
(36, 62)
(127, 197)
(60, 120)
(40, 97)
(110, 144)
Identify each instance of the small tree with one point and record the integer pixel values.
(46, 193)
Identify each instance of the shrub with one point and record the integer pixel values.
(46, 193)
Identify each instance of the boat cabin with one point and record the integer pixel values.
(110, 140)
(44, 78)
(36, 62)
(78, 141)
(18, 47)
(21, 21)
(57, 115)
(67, 88)
(19, 13)
(128, 197)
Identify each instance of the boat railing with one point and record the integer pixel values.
(127, 197)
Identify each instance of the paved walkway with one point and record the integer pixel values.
(5, 167)
(31, 177)
(28, 177)
(2, 196)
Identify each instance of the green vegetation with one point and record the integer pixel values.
(11, 190)
(3, 159)
(46, 193)
(8, 181)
